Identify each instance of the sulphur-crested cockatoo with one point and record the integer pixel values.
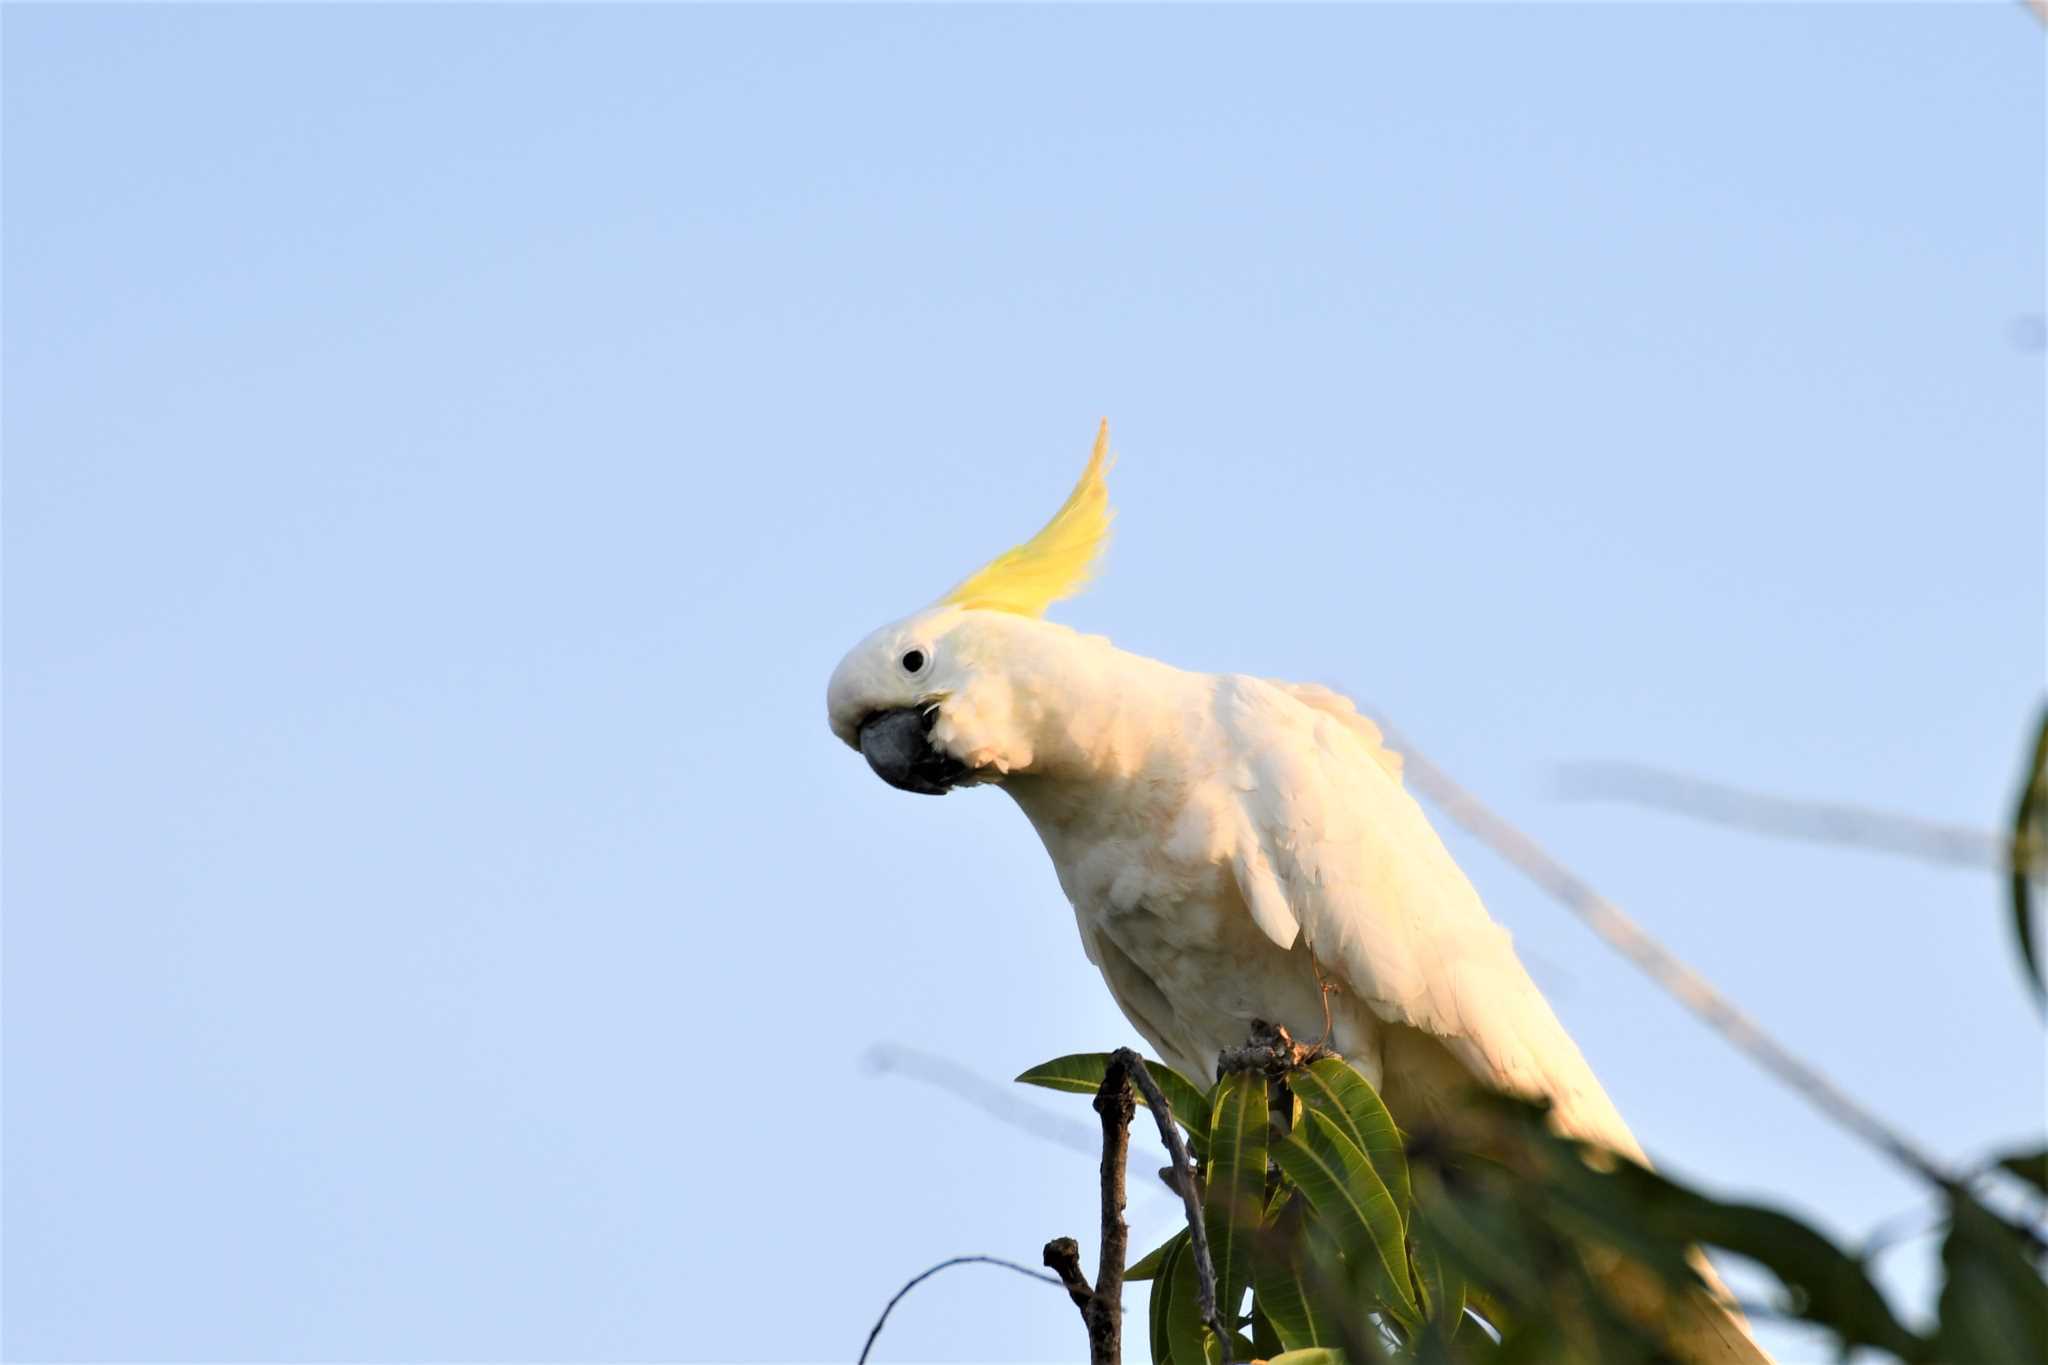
(1230, 844)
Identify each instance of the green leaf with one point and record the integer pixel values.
(1994, 1305)
(1335, 1090)
(1148, 1265)
(1234, 1188)
(1277, 1286)
(1441, 1286)
(1638, 1209)
(1313, 1355)
(1081, 1073)
(2029, 849)
(1474, 1225)
(1348, 1195)
(1653, 1219)
(1832, 1288)
(1162, 1300)
(1266, 1341)
(2031, 1167)
(1190, 1340)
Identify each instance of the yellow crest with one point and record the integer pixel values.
(1055, 563)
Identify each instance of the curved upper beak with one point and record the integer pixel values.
(897, 747)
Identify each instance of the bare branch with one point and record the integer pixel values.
(917, 1280)
(1687, 986)
(1063, 1258)
(1114, 1102)
(1184, 1173)
(1102, 1307)
(1823, 822)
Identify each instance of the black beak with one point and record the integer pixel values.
(895, 746)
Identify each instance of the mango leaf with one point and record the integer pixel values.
(1349, 1197)
(2029, 849)
(2031, 1167)
(1533, 1343)
(1081, 1073)
(1831, 1287)
(1277, 1286)
(1653, 1219)
(1162, 1300)
(1187, 1336)
(1994, 1305)
(1475, 1227)
(1234, 1191)
(1440, 1286)
(1148, 1265)
(1348, 1100)
(1266, 1341)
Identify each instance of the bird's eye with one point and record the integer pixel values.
(913, 661)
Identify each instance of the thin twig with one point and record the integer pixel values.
(1824, 822)
(1678, 980)
(917, 1280)
(1184, 1173)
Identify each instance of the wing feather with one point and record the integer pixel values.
(1331, 835)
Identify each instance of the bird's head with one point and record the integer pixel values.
(942, 698)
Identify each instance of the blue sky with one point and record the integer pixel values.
(447, 450)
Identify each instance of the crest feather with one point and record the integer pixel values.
(1056, 562)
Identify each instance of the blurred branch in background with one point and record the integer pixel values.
(998, 1101)
(2019, 854)
(1822, 822)
(1657, 962)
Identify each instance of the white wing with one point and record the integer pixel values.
(1331, 846)
(1336, 852)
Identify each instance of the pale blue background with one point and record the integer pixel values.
(447, 450)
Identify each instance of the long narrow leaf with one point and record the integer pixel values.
(1277, 1286)
(1266, 1342)
(1994, 1305)
(1191, 1341)
(1334, 1089)
(1150, 1264)
(1653, 1219)
(2029, 848)
(1440, 1285)
(1341, 1185)
(1234, 1192)
(1162, 1300)
(2031, 1167)
(1081, 1073)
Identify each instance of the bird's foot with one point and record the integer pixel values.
(1272, 1051)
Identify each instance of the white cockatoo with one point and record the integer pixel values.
(1231, 845)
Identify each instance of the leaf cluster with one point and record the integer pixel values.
(1333, 1231)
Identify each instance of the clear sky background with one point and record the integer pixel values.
(448, 449)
